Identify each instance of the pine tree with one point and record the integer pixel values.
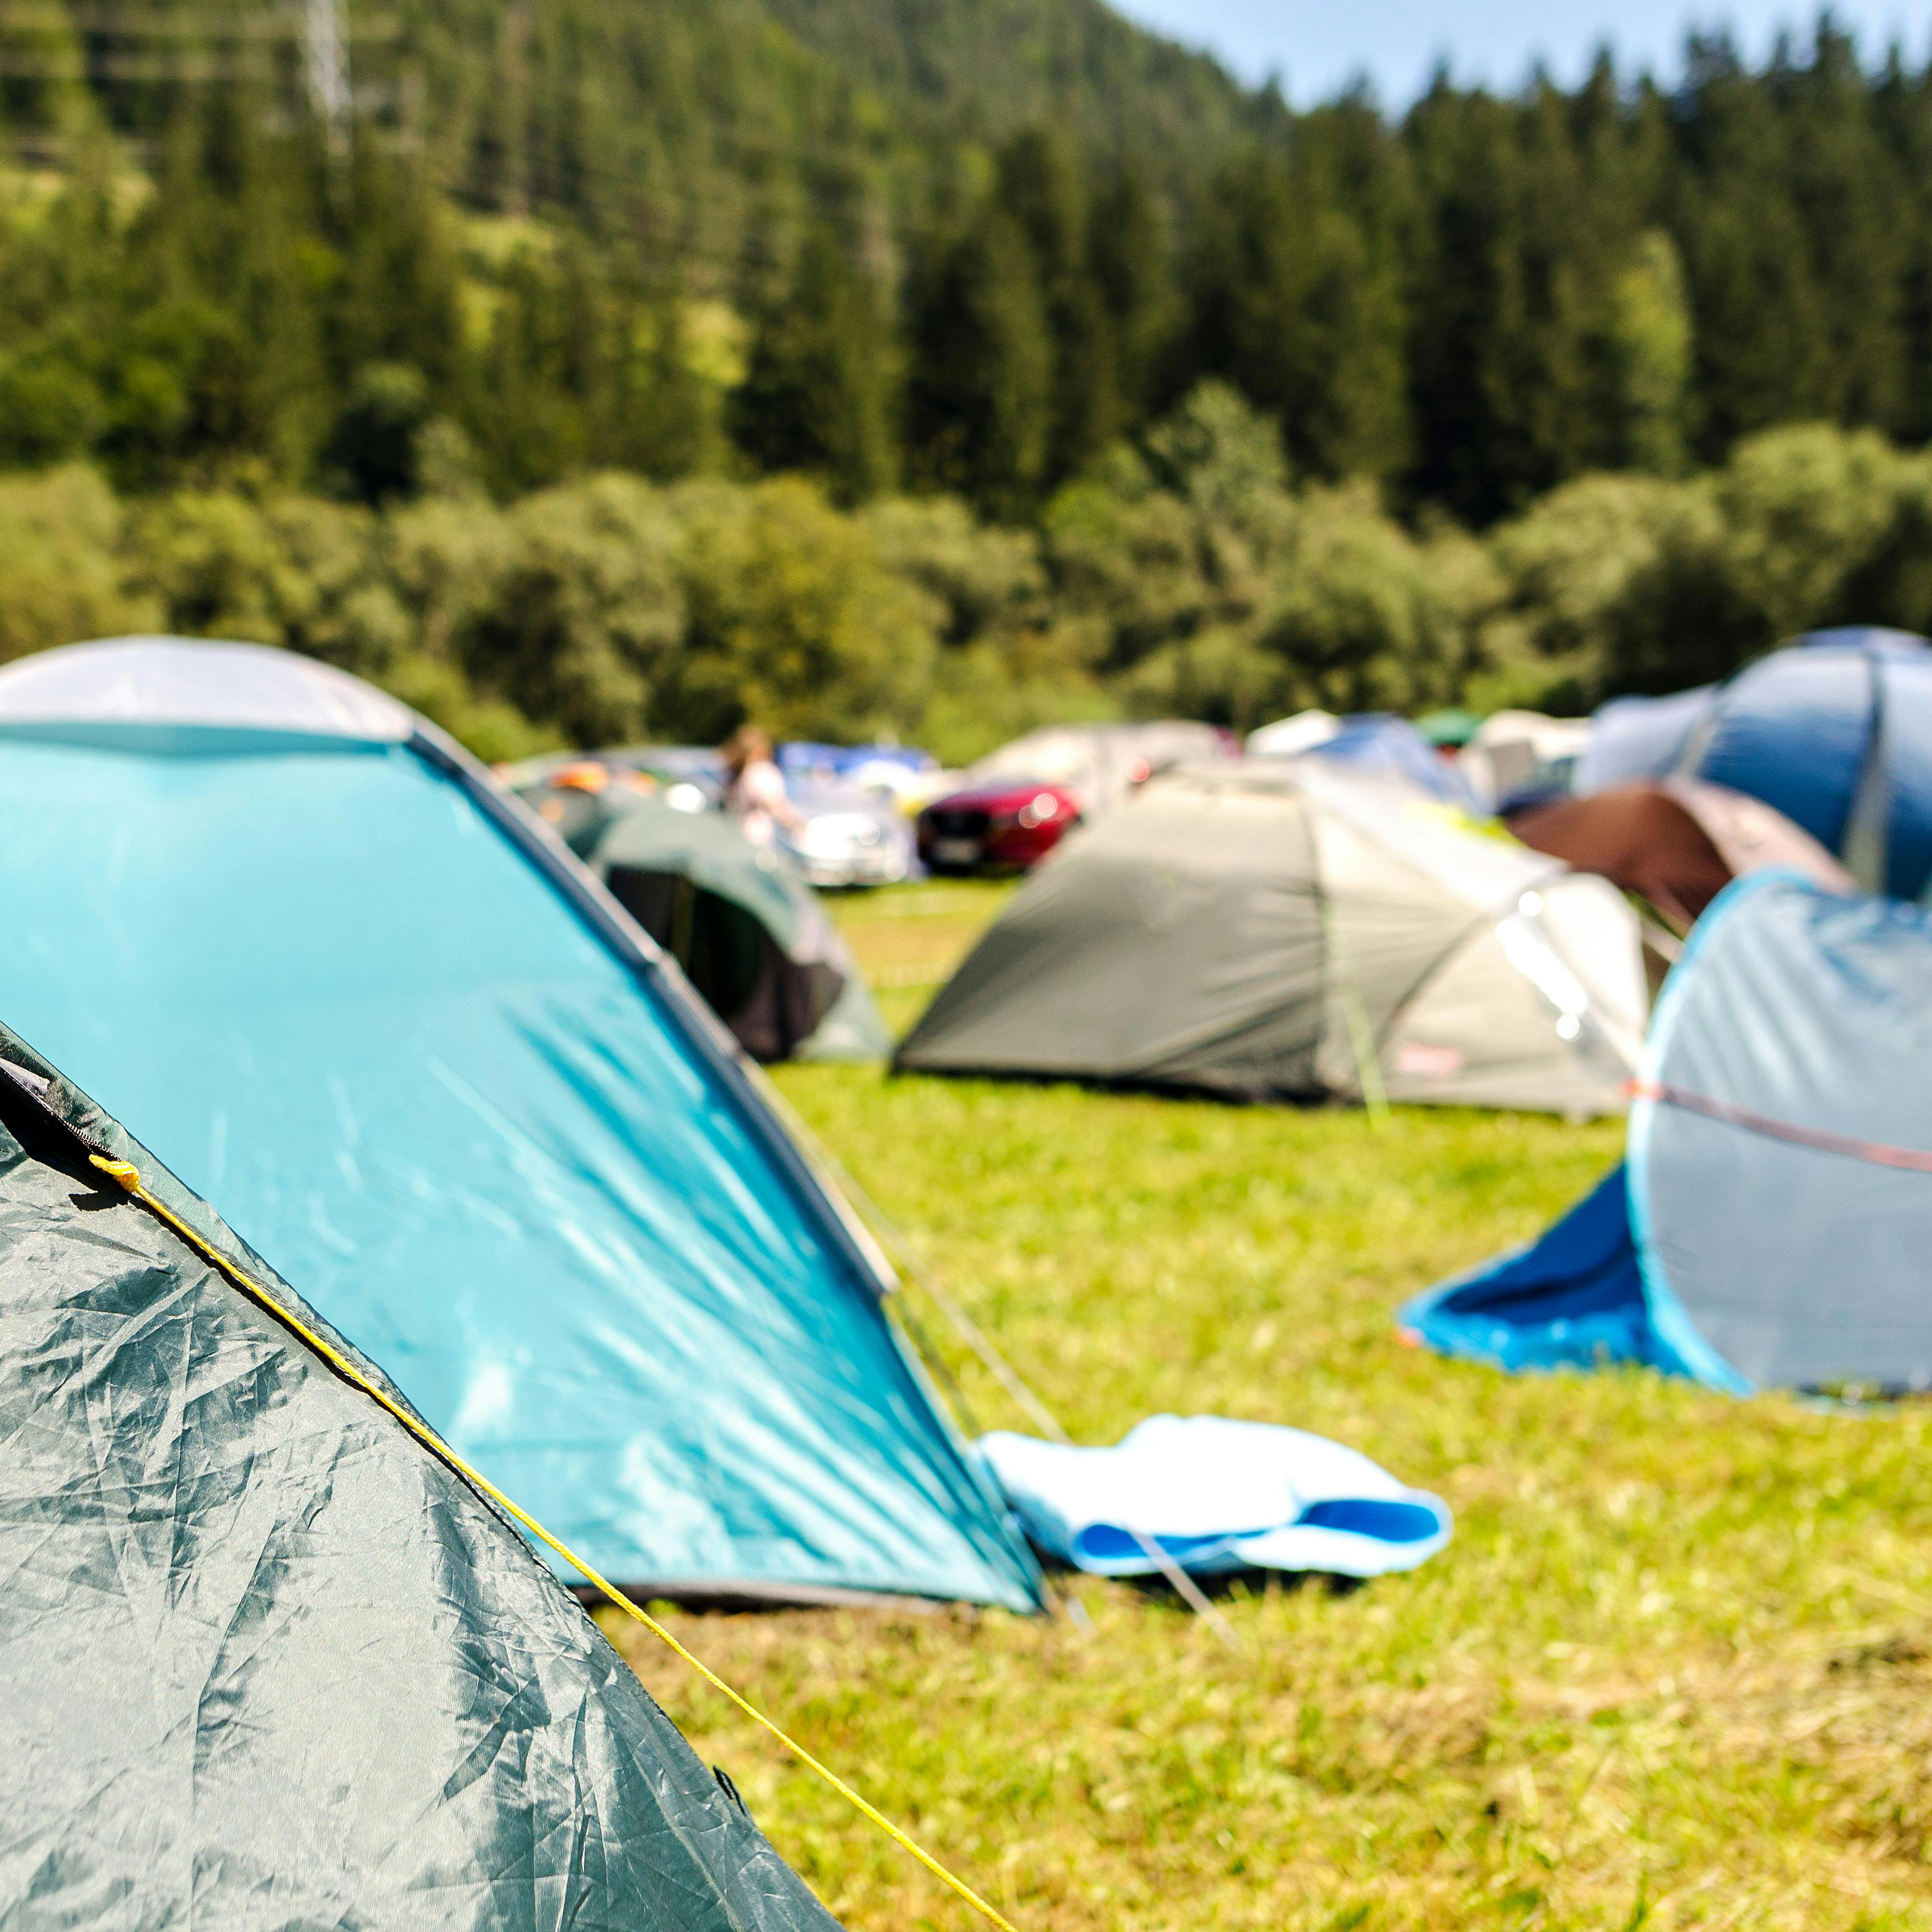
(672, 418)
(1902, 104)
(1290, 302)
(1042, 187)
(529, 429)
(1763, 350)
(1651, 332)
(1469, 304)
(1847, 198)
(817, 393)
(980, 400)
(1133, 270)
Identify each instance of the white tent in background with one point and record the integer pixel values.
(1513, 752)
(1289, 737)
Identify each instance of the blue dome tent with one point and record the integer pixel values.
(1379, 745)
(1834, 730)
(1770, 1224)
(302, 945)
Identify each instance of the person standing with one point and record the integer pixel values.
(754, 791)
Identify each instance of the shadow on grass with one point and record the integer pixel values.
(1231, 1586)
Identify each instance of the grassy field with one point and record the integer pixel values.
(1673, 1671)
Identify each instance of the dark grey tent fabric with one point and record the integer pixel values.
(1096, 968)
(265, 1662)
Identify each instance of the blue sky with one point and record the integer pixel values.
(1318, 45)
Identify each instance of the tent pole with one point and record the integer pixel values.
(1361, 1035)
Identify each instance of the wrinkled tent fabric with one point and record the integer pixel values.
(1770, 1225)
(266, 1661)
(1678, 843)
(1283, 929)
(1573, 1298)
(749, 933)
(1834, 731)
(344, 983)
(1217, 1495)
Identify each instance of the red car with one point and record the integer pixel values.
(1004, 825)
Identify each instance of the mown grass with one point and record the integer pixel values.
(1672, 1672)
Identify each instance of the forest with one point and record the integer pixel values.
(608, 371)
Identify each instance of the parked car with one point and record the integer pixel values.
(907, 776)
(1001, 826)
(692, 775)
(1020, 801)
(851, 837)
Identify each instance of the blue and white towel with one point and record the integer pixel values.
(1215, 1495)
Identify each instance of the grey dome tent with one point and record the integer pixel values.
(1280, 929)
(266, 1661)
(1770, 1223)
(330, 972)
(750, 935)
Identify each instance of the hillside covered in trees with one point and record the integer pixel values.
(998, 280)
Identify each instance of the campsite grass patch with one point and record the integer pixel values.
(1673, 1671)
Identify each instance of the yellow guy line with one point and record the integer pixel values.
(129, 1177)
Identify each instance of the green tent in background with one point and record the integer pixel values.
(267, 1661)
(749, 933)
(1450, 729)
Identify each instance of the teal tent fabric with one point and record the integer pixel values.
(338, 982)
(265, 1662)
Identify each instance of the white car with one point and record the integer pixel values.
(851, 837)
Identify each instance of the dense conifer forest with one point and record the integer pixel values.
(1133, 389)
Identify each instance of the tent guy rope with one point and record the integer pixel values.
(976, 1339)
(128, 1177)
(1880, 1154)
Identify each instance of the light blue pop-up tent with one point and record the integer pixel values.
(1770, 1224)
(1834, 730)
(301, 945)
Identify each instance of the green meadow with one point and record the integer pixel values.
(1673, 1671)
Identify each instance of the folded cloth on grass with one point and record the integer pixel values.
(1217, 1495)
